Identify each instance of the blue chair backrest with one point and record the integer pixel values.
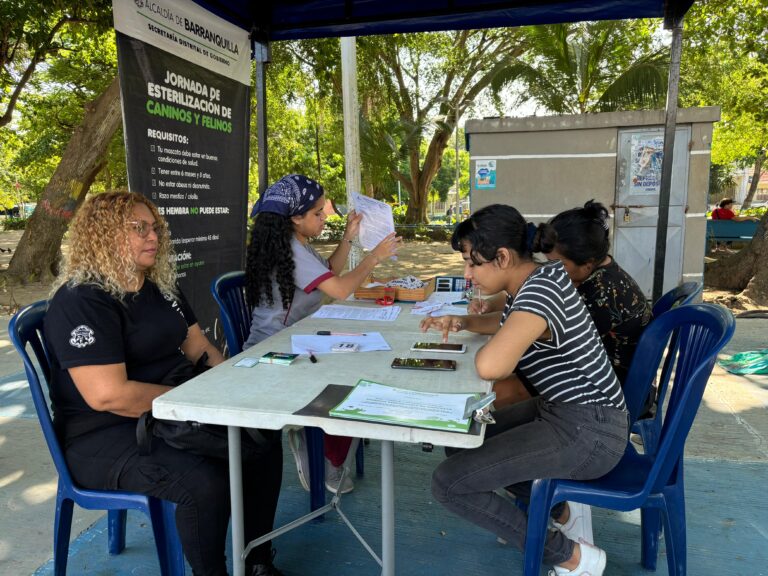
(702, 331)
(229, 292)
(26, 329)
(679, 296)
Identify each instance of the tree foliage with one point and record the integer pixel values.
(581, 67)
(726, 64)
(33, 32)
(430, 81)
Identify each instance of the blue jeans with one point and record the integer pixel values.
(531, 439)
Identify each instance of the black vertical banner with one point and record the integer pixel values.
(185, 112)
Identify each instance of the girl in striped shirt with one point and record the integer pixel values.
(576, 428)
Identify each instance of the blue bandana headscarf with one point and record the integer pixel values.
(292, 195)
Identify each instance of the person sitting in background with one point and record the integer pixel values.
(117, 326)
(725, 212)
(285, 280)
(579, 239)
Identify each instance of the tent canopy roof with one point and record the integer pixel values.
(293, 19)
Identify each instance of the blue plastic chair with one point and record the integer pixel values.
(678, 296)
(652, 482)
(26, 328)
(228, 290)
(650, 428)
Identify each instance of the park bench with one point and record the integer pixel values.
(730, 231)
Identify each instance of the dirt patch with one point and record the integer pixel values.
(420, 259)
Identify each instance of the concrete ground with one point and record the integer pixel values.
(731, 429)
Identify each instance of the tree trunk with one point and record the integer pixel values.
(755, 180)
(36, 257)
(422, 177)
(745, 270)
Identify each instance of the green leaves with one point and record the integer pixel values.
(725, 63)
(584, 67)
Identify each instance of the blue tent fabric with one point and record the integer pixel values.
(270, 20)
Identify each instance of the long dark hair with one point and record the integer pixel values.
(490, 228)
(270, 252)
(579, 234)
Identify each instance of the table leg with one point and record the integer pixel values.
(387, 508)
(236, 500)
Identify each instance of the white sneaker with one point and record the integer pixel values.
(297, 442)
(337, 479)
(579, 525)
(592, 563)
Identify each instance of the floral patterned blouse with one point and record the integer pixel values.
(620, 312)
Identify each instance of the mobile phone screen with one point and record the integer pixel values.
(424, 364)
(439, 347)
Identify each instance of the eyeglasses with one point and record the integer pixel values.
(143, 227)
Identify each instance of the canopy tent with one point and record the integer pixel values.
(270, 20)
(293, 19)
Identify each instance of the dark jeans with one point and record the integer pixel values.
(109, 460)
(531, 439)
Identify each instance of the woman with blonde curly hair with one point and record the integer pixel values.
(120, 332)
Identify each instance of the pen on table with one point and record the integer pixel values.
(312, 357)
(329, 333)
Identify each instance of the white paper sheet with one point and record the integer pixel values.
(377, 220)
(450, 311)
(441, 304)
(306, 343)
(341, 312)
(446, 298)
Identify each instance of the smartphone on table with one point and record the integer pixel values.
(439, 347)
(424, 363)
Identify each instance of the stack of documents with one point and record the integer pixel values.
(375, 402)
(341, 312)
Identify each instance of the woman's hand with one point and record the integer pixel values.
(387, 247)
(352, 228)
(445, 324)
(478, 306)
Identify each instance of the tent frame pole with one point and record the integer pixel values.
(669, 146)
(262, 53)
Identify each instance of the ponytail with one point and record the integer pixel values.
(579, 234)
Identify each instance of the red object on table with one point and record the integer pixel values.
(388, 298)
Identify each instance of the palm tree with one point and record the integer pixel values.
(575, 68)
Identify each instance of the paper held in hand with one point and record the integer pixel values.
(377, 220)
(375, 402)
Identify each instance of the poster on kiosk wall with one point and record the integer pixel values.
(185, 83)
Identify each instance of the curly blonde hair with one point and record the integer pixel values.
(100, 252)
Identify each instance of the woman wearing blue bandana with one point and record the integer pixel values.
(286, 280)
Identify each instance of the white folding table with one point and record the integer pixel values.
(269, 395)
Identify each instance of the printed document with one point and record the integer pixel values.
(375, 402)
(377, 220)
(341, 312)
(306, 343)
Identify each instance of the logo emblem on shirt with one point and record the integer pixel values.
(82, 336)
(174, 305)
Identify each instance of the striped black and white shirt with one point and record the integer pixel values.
(572, 366)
